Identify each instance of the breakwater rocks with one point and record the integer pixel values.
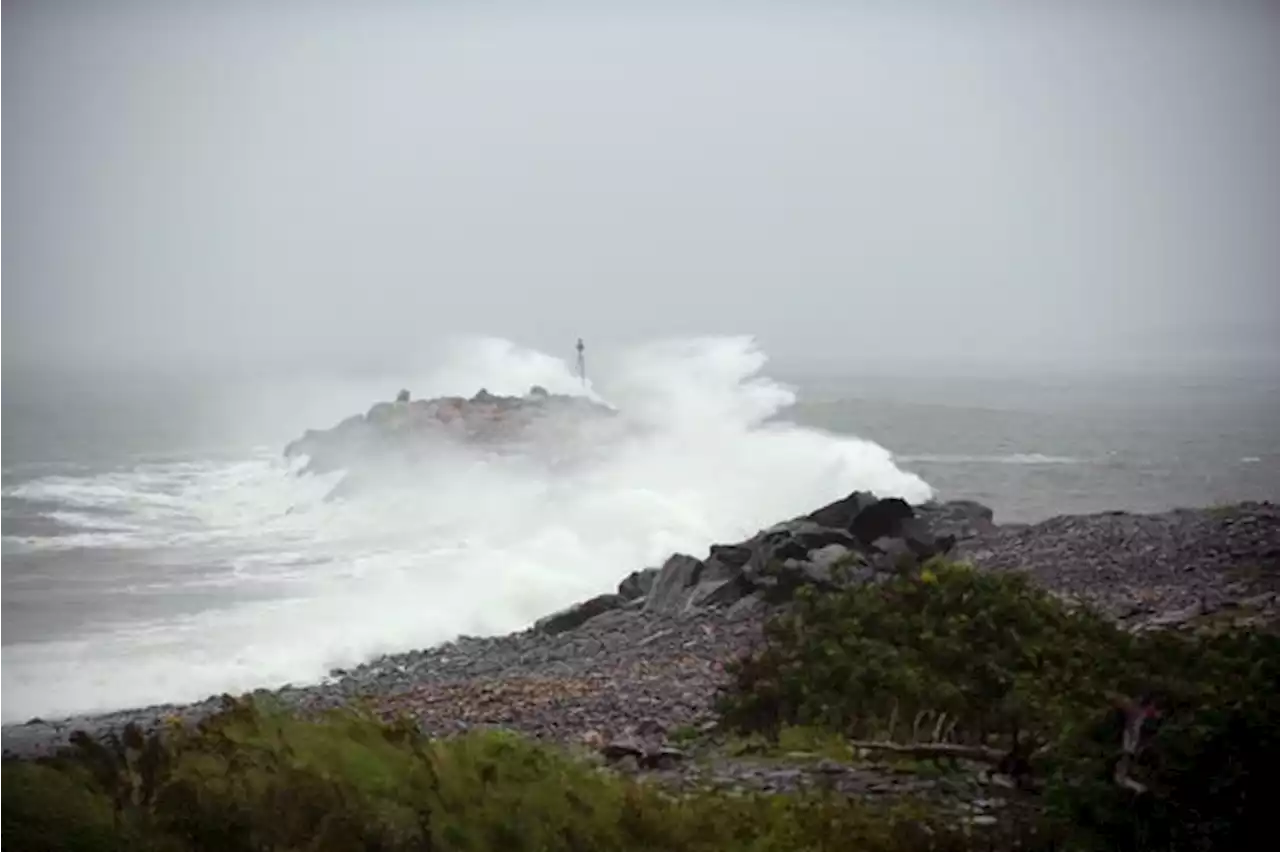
(626, 674)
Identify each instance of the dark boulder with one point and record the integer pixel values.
(726, 561)
(840, 514)
(884, 518)
(578, 614)
(637, 584)
(672, 587)
(856, 540)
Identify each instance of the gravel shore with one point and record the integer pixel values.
(632, 675)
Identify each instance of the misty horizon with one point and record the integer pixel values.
(235, 190)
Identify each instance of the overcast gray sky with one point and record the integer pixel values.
(294, 183)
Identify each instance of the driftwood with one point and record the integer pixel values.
(1015, 761)
(984, 754)
(1136, 714)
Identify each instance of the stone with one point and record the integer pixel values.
(638, 583)
(726, 561)
(616, 750)
(883, 519)
(663, 757)
(578, 614)
(670, 592)
(840, 514)
(748, 608)
(830, 555)
(721, 594)
(894, 554)
(962, 519)
(650, 727)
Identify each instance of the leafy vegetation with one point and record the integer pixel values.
(252, 779)
(952, 661)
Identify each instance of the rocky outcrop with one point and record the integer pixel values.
(853, 540)
(393, 436)
(571, 617)
(677, 574)
(638, 583)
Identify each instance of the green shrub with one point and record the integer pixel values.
(46, 809)
(1208, 758)
(983, 654)
(989, 661)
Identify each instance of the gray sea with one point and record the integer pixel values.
(156, 547)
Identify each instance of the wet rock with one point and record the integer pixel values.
(672, 587)
(958, 519)
(578, 614)
(841, 514)
(638, 583)
(747, 609)
(882, 519)
(726, 561)
(721, 593)
(848, 541)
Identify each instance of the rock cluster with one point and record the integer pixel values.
(392, 434)
(858, 539)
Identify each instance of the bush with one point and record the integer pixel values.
(253, 779)
(989, 661)
(985, 654)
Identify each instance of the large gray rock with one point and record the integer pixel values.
(673, 587)
(726, 561)
(638, 583)
(718, 593)
(578, 614)
(841, 513)
(962, 519)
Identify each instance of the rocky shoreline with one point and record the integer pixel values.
(630, 676)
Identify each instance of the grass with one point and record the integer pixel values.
(252, 778)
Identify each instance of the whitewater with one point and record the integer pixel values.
(275, 585)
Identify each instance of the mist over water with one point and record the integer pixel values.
(173, 579)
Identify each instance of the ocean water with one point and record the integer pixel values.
(156, 546)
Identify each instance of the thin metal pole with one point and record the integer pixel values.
(582, 362)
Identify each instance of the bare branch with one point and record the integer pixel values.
(984, 754)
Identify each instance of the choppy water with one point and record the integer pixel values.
(157, 548)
